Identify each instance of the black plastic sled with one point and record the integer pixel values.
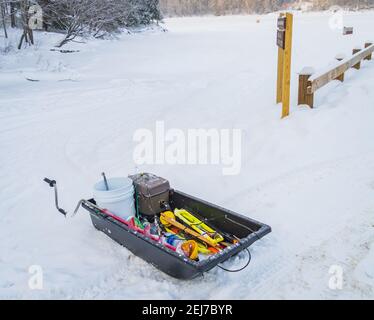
(173, 263)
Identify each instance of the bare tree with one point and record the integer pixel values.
(27, 35)
(12, 5)
(97, 18)
(78, 18)
(3, 12)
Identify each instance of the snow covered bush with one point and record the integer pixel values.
(79, 18)
(97, 17)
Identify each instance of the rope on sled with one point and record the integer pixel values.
(241, 269)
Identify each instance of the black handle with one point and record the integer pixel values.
(63, 212)
(51, 183)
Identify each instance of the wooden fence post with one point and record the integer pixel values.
(368, 44)
(304, 83)
(340, 57)
(358, 65)
(280, 75)
(286, 85)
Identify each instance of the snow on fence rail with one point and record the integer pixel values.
(310, 82)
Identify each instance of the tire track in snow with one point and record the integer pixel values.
(297, 171)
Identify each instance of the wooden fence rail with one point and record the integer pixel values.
(310, 82)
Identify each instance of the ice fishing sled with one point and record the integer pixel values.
(163, 257)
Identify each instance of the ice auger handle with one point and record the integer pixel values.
(53, 184)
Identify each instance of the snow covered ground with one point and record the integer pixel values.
(310, 176)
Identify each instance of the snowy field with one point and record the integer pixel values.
(310, 176)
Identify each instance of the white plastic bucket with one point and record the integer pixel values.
(119, 199)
